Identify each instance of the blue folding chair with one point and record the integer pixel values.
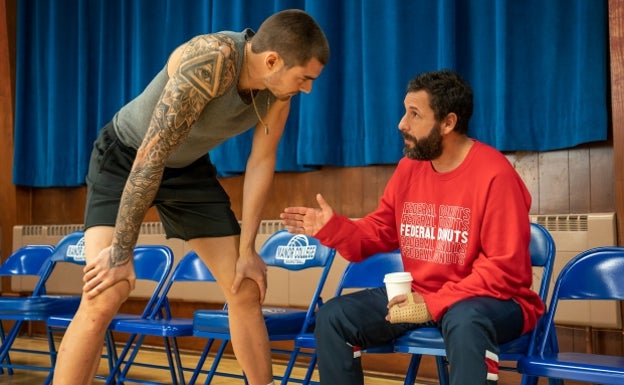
(283, 250)
(159, 323)
(594, 274)
(428, 340)
(40, 305)
(152, 263)
(357, 276)
(30, 260)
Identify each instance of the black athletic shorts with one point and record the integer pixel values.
(191, 202)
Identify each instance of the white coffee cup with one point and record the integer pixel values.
(398, 283)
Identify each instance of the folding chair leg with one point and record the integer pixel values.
(176, 370)
(443, 373)
(2, 337)
(7, 343)
(111, 350)
(412, 370)
(215, 363)
(135, 352)
(290, 365)
(178, 359)
(310, 371)
(529, 380)
(53, 354)
(200, 361)
(115, 372)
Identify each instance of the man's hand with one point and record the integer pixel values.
(417, 309)
(254, 268)
(402, 300)
(306, 220)
(99, 274)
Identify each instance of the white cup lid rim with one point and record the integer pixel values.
(398, 276)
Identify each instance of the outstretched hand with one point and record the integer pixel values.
(307, 220)
(100, 275)
(254, 268)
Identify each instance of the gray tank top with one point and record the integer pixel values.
(223, 117)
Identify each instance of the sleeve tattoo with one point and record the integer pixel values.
(206, 70)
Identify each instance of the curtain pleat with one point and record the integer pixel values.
(539, 70)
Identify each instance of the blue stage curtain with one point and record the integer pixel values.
(539, 70)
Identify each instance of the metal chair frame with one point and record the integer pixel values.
(38, 306)
(595, 274)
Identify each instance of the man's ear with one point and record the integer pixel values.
(273, 61)
(449, 122)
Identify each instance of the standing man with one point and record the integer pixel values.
(460, 214)
(155, 152)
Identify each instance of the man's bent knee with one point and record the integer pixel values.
(109, 301)
(247, 295)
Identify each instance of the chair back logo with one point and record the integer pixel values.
(297, 251)
(76, 251)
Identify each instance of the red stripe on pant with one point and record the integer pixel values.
(491, 361)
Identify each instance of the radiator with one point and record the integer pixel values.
(574, 233)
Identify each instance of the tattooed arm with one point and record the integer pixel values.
(199, 71)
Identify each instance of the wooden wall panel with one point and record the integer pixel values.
(14, 202)
(616, 44)
(527, 166)
(579, 181)
(601, 184)
(54, 206)
(554, 182)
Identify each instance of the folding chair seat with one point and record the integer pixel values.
(428, 340)
(594, 274)
(356, 276)
(39, 305)
(152, 265)
(283, 250)
(159, 323)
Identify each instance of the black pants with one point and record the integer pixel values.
(472, 330)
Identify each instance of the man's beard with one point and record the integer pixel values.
(427, 148)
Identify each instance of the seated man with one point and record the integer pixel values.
(459, 213)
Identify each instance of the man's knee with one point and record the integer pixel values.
(463, 320)
(333, 309)
(247, 297)
(329, 316)
(105, 305)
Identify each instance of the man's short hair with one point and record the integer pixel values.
(448, 92)
(294, 35)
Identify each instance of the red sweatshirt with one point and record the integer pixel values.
(462, 233)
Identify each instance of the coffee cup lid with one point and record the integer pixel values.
(402, 276)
